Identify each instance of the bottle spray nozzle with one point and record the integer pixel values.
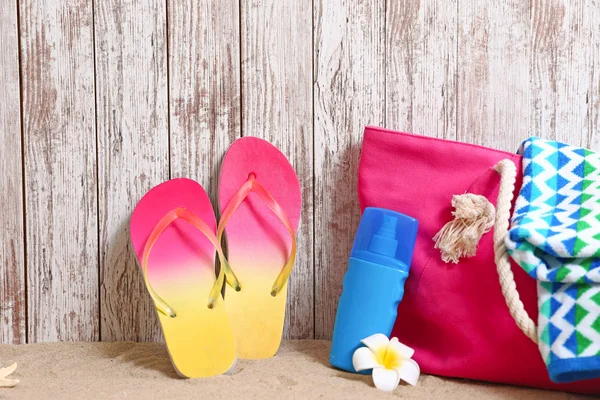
(384, 242)
(385, 233)
(388, 227)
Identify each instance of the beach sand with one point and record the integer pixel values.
(73, 370)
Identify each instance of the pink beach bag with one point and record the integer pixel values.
(456, 316)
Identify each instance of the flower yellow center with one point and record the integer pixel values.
(388, 357)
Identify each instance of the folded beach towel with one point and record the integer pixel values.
(555, 238)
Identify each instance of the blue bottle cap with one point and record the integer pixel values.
(385, 233)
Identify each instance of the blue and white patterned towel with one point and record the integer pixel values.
(555, 237)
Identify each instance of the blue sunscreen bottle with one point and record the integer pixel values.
(374, 282)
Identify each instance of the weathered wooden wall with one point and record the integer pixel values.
(100, 101)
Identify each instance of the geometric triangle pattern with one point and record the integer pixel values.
(568, 326)
(555, 237)
(555, 229)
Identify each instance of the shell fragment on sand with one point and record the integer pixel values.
(4, 372)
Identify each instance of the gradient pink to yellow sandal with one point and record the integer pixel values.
(173, 233)
(260, 200)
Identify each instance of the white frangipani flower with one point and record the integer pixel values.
(390, 360)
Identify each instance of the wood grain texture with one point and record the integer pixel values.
(593, 141)
(12, 250)
(349, 42)
(277, 106)
(493, 73)
(421, 63)
(60, 170)
(204, 70)
(204, 88)
(133, 137)
(562, 68)
(178, 81)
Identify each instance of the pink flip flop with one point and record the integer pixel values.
(173, 233)
(260, 200)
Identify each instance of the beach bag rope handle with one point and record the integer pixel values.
(474, 216)
(508, 175)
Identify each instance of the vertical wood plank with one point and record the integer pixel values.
(204, 87)
(60, 170)
(277, 106)
(563, 36)
(12, 251)
(421, 45)
(493, 73)
(349, 46)
(204, 76)
(593, 141)
(133, 139)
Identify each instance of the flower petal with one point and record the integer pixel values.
(404, 350)
(409, 372)
(363, 358)
(376, 342)
(385, 379)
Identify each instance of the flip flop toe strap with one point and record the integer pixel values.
(170, 217)
(252, 185)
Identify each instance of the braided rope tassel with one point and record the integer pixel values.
(473, 218)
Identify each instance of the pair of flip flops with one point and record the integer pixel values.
(176, 236)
